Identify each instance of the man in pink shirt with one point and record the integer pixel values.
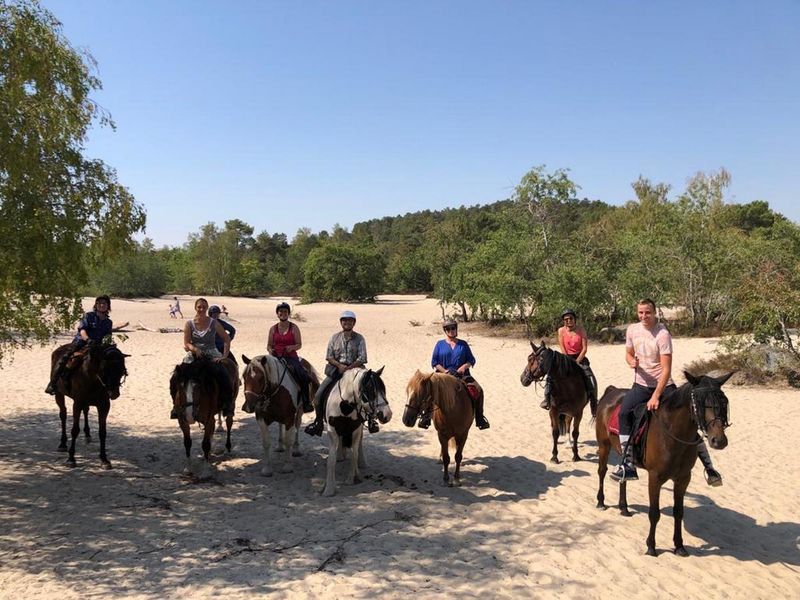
(648, 350)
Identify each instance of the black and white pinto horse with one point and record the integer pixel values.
(359, 397)
(273, 395)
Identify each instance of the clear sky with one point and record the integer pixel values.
(306, 114)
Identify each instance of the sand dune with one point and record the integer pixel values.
(519, 527)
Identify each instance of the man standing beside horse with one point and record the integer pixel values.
(346, 350)
(648, 351)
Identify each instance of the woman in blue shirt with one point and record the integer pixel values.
(454, 357)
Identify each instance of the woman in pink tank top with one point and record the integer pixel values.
(574, 343)
(283, 341)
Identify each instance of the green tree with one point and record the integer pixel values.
(58, 209)
(337, 272)
(141, 271)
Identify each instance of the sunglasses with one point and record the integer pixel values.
(451, 328)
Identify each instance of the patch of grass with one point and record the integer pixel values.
(296, 316)
(758, 364)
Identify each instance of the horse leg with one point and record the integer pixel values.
(76, 428)
(62, 414)
(266, 463)
(555, 427)
(228, 425)
(354, 476)
(291, 434)
(443, 441)
(208, 435)
(362, 461)
(298, 421)
(187, 444)
(281, 447)
(86, 431)
(623, 499)
(102, 419)
(677, 513)
(603, 450)
(575, 432)
(333, 447)
(654, 513)
(460, 443)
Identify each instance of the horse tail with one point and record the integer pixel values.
(563, 429)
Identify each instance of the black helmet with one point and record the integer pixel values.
(568, 312)
(449, 323)
(283, 305)
(105, 299)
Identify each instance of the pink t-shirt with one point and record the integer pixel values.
(648, 346)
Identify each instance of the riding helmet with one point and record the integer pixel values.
(567, 312)
(213, 309)
(347, 314)
(449, 323)
(283, 305)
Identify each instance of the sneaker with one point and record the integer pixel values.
(713, 478)
(481, 422)
(424, 421)
(314, 429)
(173, 414)
(625, 472)
(545, 404)
(50, 389)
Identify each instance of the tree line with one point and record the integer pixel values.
(526, 258)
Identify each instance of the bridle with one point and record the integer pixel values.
(698, 404)
(263, 397)
(543, 365)
(365, 399)
(106, 357)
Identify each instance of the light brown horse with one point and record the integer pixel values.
(95, 378)
(199, 390)
(671, 445)
(568, 394)
(453, 414)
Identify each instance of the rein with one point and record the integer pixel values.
(700, 424)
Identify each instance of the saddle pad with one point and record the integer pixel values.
(473, 390)
(639, 418)
(613, 422)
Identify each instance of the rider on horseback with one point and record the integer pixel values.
(574, 343)
(93, 328)
(346, 350)
(283, 341)
(214, 312)
(454, 356)
(648, 350)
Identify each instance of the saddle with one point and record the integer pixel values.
(76, 359)
(641, 425)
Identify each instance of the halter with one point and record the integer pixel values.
(105, 355)
(366, 403)
(261, 398)
(543, 364)
(718, 402)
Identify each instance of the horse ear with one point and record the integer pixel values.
(533, 346)
(128, 356)
(691, 378)
(543, 345)
(723, 378)
(379, 371)
(245, 359)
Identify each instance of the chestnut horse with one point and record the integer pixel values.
(453, 414)
(273, 395)
(199, 389)
(95, 380)
(671, 444)
(568, 393)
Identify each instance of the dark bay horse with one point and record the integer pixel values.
(568, 394)
(200, 390)
(453, 414)
(95, 378)
(671, 444)
(273, 395)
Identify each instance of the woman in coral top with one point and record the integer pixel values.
(574, 343)
(283, 341)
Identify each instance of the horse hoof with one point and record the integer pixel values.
(297, 453)
(70, 462)
(681, 551)
(280, 449)
(105, 465)
(555, 461)
(266, 473)
(456, 483)
(62, 448)
(328, 492)
(651, 552)
(625, 513)
(601, 506)
(576, 458)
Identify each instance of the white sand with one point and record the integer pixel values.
(520, 527)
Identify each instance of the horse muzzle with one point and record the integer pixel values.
(718, 442)
(526, 378)
(410, 416)
(384, 417)
(113, 394)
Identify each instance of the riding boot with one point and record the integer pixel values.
(625, 471)
(59, 372)
(713, 477)
(305, 398)
(548, 386)
(481, 422)
(318, 425)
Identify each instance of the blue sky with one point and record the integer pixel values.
(306, 114)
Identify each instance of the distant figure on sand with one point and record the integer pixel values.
(175, 309)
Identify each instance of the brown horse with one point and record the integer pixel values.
(95, 377)
(273, 395)
(671, 444)
(453, 414)
(568, 395)
(199, 390)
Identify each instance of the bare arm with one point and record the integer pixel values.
(187, 338)
(297, 338)
(561, 340)
(270, 345)
(630, 358)
(584, 346)
(666, 373)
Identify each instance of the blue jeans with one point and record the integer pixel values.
(639, 394)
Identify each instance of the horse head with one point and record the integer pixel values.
(256, 383)
(710, 408)
(111, 370)
(538, 364)
(419, 398)
(372, 393)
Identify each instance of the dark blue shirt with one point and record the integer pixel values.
(452, 358)
(229, 329)
(94, 327)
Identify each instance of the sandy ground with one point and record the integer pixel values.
(519, 527)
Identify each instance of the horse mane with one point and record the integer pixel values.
(683, 395)
(201, 371)
(561, 364)
(443, 387)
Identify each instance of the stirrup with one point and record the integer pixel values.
(314, 429)
(483, 423)
(625, 472)
(545, 404)
(713, 477)
(50, 389)
(173, 414)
